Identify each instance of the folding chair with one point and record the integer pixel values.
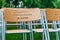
(54, 16)
(23, 15)
(42, 23)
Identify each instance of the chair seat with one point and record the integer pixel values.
(18, 31)
(41, 30)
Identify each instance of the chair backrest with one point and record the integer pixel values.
(21, 14)
(53, 14)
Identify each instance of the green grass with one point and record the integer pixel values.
(37, 36)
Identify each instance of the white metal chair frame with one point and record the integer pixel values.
(42, 23)
(1, 25)
(55, 21)
(24, 33)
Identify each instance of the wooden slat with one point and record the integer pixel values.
(21, 14)
(38, 30)
(53, 14)
(52, 30)
(41, 30)
(17, 31)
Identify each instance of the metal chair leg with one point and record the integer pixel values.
(24, 34)
(23, 37)
(3, 28)
(47, 32)
(1, 25)
(24, 25)
(43, 36)
(55, 27)
(31, 33)
(58, 23)
(43, 26)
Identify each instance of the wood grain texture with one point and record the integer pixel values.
(53, 14)
(21, 14)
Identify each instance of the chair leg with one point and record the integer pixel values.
(23, 37)
(31, 33)
(43, 36)
(58, 23)
(22, 28)
(31, 36)
(24, 34)
(3, 30)
(55, 27)
(47, 32)
(57, 36)
(0, 33)
(48, 35)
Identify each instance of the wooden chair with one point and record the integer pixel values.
(54, 16)
(46, 25)
(42, 28)
(19, 15)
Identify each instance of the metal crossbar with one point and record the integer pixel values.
(34, 24)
